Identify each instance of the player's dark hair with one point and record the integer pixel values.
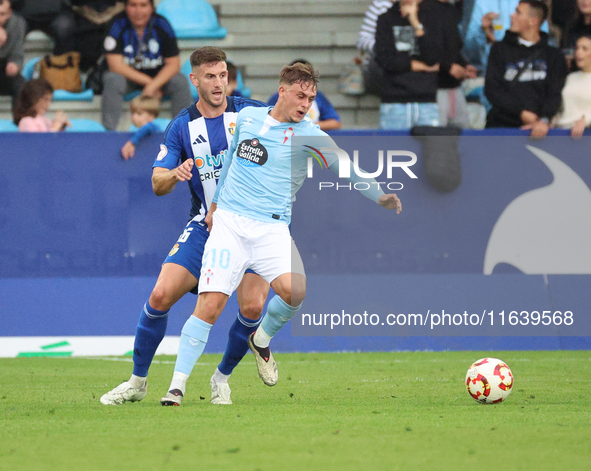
(538, 8)
(28, 97)
(146, 103)
(151, 1)
(207, 55)
(299, 73)
(300, 61)
(232, 72)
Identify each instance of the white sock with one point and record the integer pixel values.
(179, 381)
(220, 377)
(261, 338)
(137, 382)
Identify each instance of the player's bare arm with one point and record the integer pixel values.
(164, 180)
(209, 217)
(390, 201)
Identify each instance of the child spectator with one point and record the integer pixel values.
(576, 94)
(33, 102)
(144, 110)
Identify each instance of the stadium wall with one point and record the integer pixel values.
(83, 238)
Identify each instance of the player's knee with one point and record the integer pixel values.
(161, 299)
(298, 294)
(252, 308)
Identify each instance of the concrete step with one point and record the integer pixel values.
(269, 24)
(290, 9)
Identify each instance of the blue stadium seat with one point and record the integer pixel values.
(186, 70)
(161, 123)
(85, 125)
(58, 95)
(7, 126)
(191, 19)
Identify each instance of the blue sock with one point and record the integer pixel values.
(278, 314)
(237, 342)
(148, 335)
(193, 340)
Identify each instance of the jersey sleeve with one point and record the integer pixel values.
(327, 111)
(113, 43)
(171, 149)
(166, 38)
(143, 132)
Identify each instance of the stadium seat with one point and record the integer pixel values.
(161, 124)
(186, 70)
(191, 19)
(7, 126)
(85, 125)
(58, 95)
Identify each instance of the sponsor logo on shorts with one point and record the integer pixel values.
(252, 152)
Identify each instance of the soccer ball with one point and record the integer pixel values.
(489, 381)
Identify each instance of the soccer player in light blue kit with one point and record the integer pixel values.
(193, 150)
(260, 175)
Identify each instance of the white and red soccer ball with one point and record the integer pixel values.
(489, 381)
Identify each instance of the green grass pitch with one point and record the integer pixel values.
(338, 411)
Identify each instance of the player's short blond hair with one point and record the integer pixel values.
(148, 104)
(301, 73)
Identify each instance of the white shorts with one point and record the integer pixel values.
(237, 243)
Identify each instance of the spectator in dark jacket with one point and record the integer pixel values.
(408, 48)
(453, 70)
(525, 75)
(579, 25)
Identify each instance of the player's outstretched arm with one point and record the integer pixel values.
(164, 180)
(390, 201)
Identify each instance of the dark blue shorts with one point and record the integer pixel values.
(188, 250)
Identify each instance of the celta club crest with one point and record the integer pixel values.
(288, 133)
(208, 275)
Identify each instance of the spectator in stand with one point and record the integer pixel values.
(453, 69)
(12, 39)
(409, 46)
(33, 102)
(54, 17)
(576, 94)
(142, 53)
(144, 110)
(232, 80)
(525, 75)
(367, 36)
(562, 13)
(373, 75)
(93, 18)
(322, 112)
(489, 21)
(579, 25)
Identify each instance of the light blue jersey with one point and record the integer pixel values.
(264, 172)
